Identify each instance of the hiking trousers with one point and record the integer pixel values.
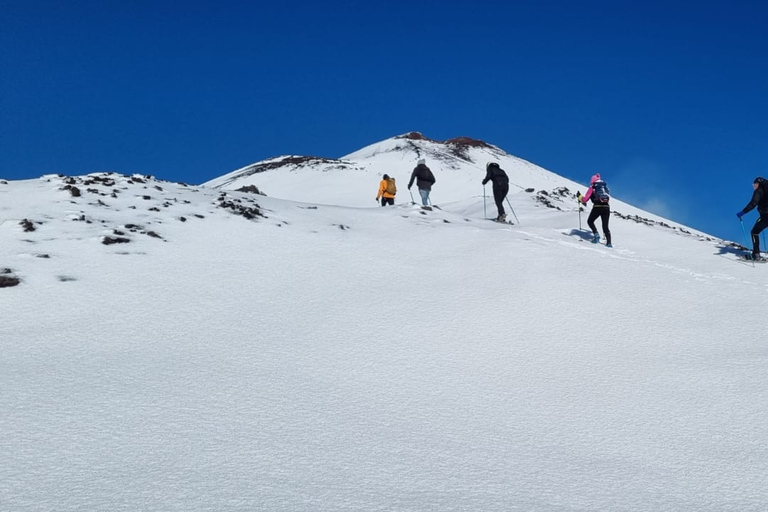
(499, 193)
(424, 193)
(760, 225)
(604, 212)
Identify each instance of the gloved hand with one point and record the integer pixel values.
(740, 214)
(409, 188)
(377, 199)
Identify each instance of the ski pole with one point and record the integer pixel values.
(485, 215)
(745, 237)
(412, 201)
(513, 210)
(746, 240)
(579, 214)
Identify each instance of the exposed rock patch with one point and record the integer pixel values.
(8, 278)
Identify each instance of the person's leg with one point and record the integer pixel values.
(503, 190)
(591, 220)
(383, 201)
(760, 225)
(424, 196)
(391, 201)
(605, 217)
(498, 198)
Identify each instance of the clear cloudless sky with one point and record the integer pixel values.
(667, 99)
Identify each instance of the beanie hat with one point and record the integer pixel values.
(490, 164)
(759, 180)
(386, 176)
(422, 161)
(594, 178)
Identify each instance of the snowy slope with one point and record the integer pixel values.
(334, 357)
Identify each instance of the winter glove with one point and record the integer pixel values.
(740, 214)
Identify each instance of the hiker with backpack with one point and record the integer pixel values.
(387, 191)
(500, 180)
(424, 181)
(759, 200)
(598, 193)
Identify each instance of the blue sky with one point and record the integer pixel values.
(668, 101)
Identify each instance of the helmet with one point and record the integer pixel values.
(489, 164)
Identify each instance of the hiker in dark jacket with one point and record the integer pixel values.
(500, 181)
(759, 200)
(424, 180)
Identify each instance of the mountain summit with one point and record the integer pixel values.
(458, 165)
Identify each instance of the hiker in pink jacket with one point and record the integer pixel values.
(598, 193)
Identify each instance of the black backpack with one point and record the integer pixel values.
(499, 176)
(425, 173)
(601, 192)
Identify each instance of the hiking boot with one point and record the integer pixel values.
(596, 240)
(502, 218)
(609, 245)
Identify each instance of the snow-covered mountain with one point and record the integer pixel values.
(458, 165)
(176, 347)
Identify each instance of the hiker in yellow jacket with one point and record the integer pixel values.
(387, 191)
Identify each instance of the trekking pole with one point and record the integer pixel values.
(485, 215)
(579, 215)
(513, 210)
(412, 201)
(745, 237)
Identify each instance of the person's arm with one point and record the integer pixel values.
(487, 176)
(413, 177)
(586, 196)
(756, 198)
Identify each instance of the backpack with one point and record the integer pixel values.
(391, 187)
(426, 175)
(499, 176)
(601, 192)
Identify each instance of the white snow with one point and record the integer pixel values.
(338, 356)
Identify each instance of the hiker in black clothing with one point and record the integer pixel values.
(759, 200)
(500, 181)
(598, 194)
(424, 180)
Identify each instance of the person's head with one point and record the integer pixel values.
(758, 181)
(490, 164)
(386, 177)
(594, 178)
(422, 162)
